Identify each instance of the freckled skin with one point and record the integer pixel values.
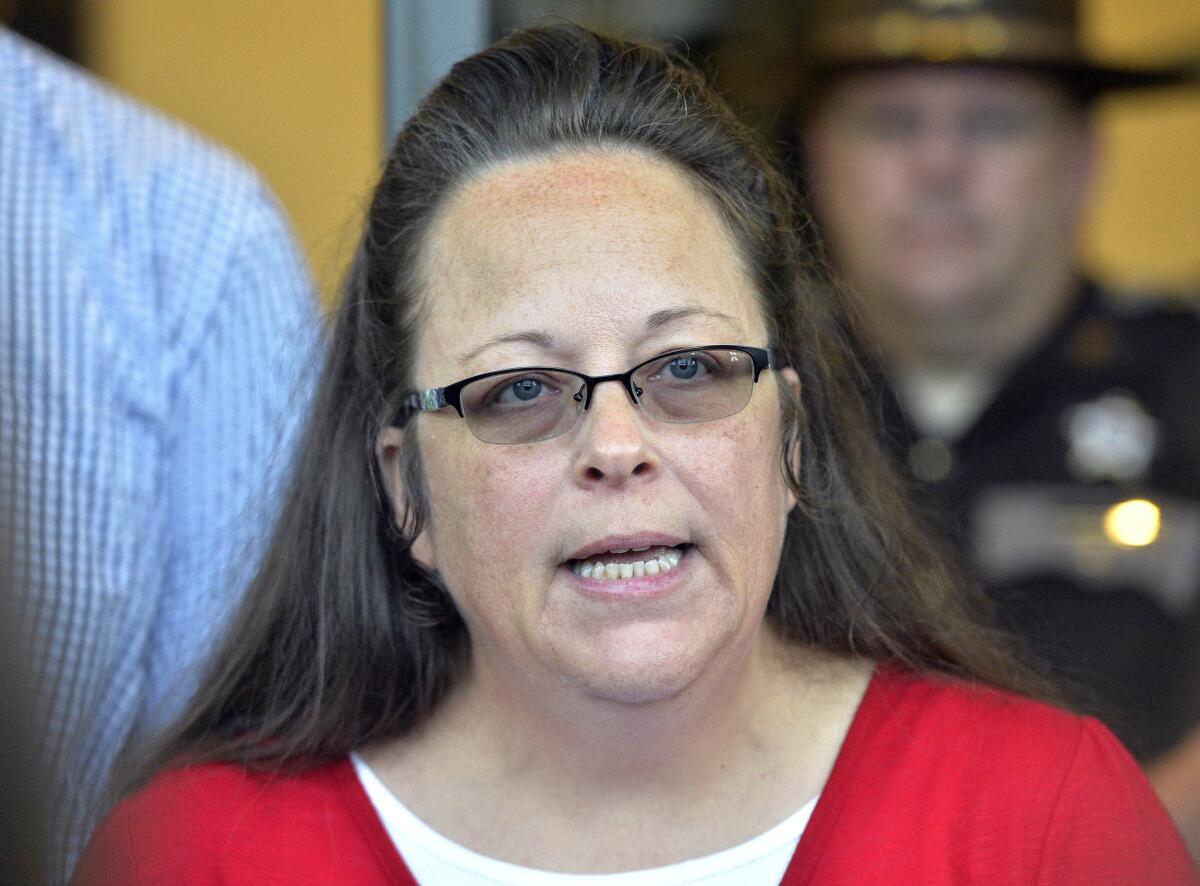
(586, 247)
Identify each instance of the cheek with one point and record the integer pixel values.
(1020, 182)
(883, 178)
(1025, 211)
(858, 191)
(736, 471)
(487, 503)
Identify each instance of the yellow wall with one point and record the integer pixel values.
(293, 86)
(1144, 229)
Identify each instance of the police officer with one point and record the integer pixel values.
(1053, 427)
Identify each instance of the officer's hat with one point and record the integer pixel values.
(1038, 35)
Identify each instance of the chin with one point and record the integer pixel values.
(941, 296)
(644, 666)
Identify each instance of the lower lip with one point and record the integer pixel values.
(938, 236)
(635, 587)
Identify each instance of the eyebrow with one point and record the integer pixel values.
(656, 321)
(533, 336)
(666, 317)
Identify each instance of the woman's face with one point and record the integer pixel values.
(596, 262)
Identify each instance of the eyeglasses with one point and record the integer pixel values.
(535, 403)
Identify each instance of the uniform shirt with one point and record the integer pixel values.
(155, 321)
(1105, 410)
(936, 782)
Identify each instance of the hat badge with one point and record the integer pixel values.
(947, 5)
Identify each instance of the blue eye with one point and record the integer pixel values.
(526, 389)
(684, 367)
(516, 391)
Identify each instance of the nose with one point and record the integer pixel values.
(940, 153)
(613, 447)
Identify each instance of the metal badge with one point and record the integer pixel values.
(1112, 438)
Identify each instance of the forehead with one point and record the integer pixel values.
(939, 86)
(582, 246)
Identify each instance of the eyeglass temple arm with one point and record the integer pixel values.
(427, 400)
(762, 358)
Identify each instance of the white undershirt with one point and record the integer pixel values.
(434, 859)
(945, 404)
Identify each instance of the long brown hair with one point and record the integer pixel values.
(344, 638)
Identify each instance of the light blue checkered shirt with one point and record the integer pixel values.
(157, 329)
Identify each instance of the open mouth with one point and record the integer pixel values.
(622, 563)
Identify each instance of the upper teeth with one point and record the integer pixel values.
(600, 571)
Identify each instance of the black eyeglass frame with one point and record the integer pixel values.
(434, 399)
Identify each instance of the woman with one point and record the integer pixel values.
(591, 564)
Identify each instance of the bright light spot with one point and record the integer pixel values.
(1133, 524)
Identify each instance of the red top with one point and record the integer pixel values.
(936, 782)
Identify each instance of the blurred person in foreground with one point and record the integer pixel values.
(592, 564)
(156, 321)
(949, 151)
(23, 854)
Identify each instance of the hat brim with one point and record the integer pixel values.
(1082, 77)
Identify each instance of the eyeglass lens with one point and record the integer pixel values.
(531, 405)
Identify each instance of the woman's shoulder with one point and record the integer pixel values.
(205, 823)
(961, 777)
(982, 738)
(209, 794)
(961, 711)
